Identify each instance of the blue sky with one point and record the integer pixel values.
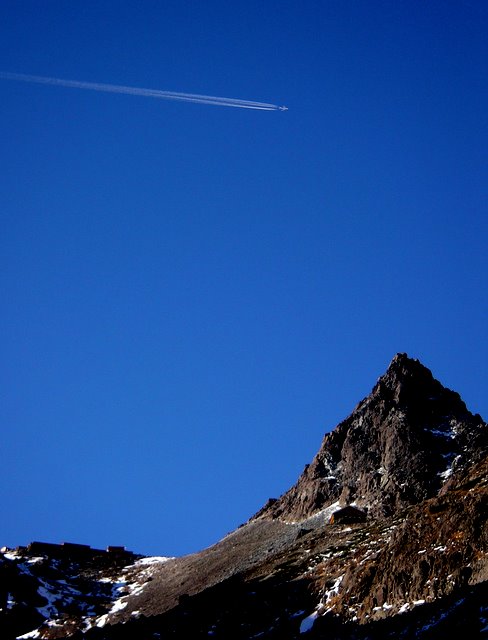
(193, 295)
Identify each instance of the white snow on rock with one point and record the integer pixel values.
(450, 468)
(49, 610)
(31, 634)
(321, 516)
(308, 622)
(444, 434)
(446, 474)
(151, 560)
(333, 591)
(131, 582)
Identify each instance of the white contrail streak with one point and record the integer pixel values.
(148, 93)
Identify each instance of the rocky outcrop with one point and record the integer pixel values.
(399, 446)
(434, 549)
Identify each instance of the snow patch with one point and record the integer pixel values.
(118, 605)
(446, 474)
(131, 582)
(31, 634)
(449, 470)
(445, 434)
(100, 622)
(49, 610)
(151, 560)
(325, 514)
(409, 605)
(308, 622)
(333, 591)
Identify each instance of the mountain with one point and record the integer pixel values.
(398, 447)
(384, 535)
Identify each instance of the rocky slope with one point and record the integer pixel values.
(411, 563)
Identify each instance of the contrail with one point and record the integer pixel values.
(148, 93)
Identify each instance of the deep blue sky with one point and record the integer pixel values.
(193, 295)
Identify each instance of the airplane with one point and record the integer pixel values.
(283, 108)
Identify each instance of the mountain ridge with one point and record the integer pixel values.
(383, 534)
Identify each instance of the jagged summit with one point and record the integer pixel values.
(409, 383)
(398, 447)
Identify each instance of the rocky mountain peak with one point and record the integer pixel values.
(399, 446)
(409, 386)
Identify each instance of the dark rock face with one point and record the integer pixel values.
(383, 536)
(398, 447)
